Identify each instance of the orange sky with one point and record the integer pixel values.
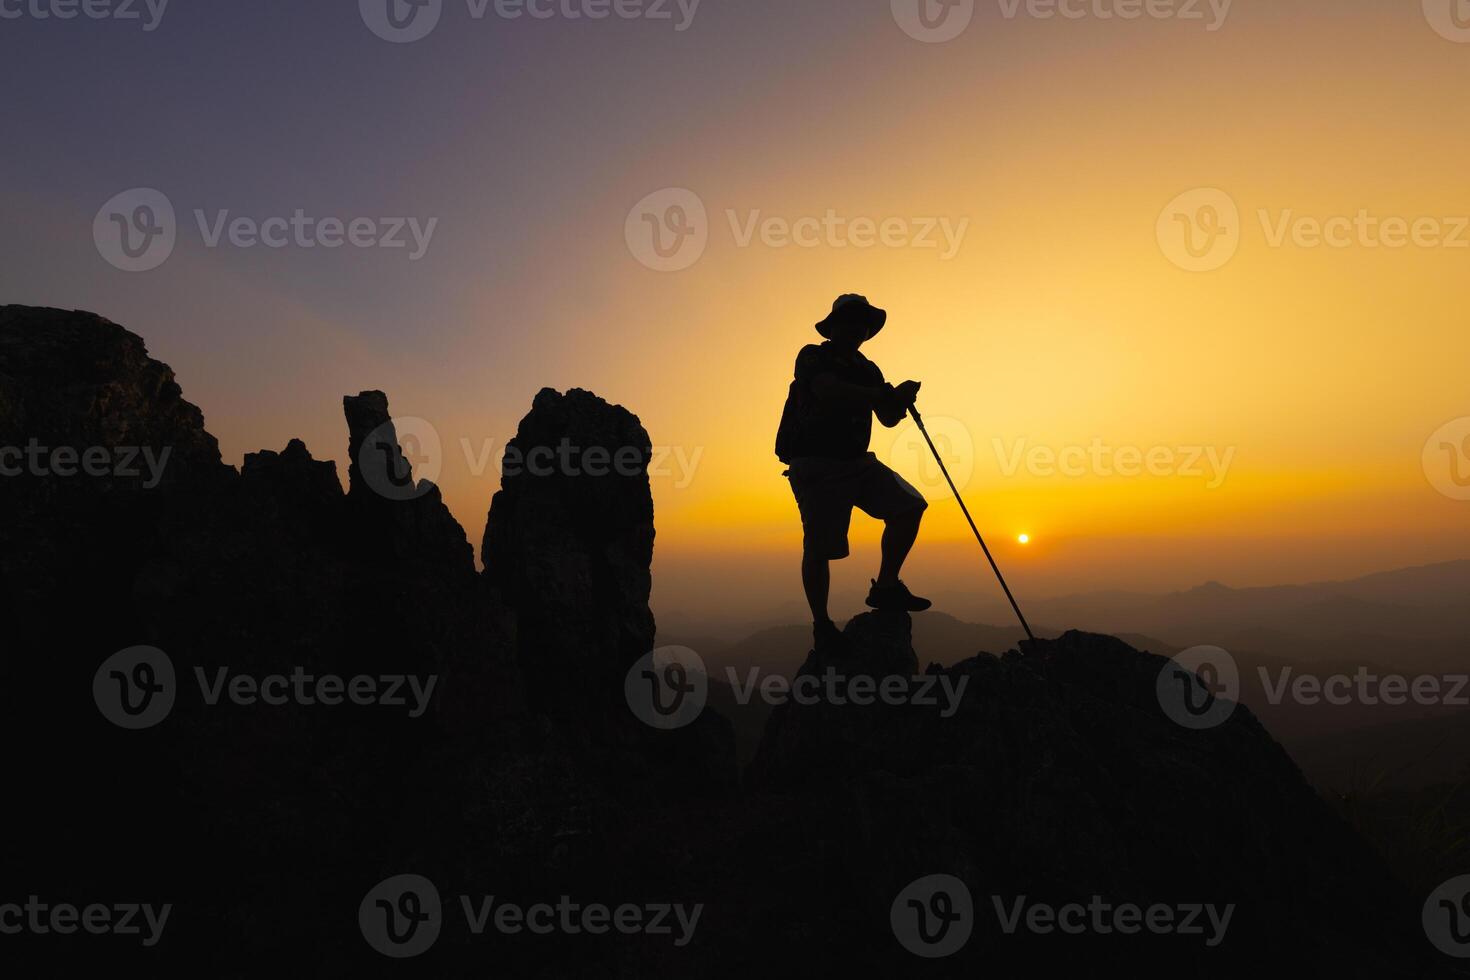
(1059, 323)
(1060, 320)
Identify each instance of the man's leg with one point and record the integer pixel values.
(825, 500)
(816, 579)
(888, 497)
(899, 535)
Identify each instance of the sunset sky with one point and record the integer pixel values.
(1051, 148)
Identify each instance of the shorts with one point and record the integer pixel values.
(827, 490)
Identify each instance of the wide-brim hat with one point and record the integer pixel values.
(852, 308)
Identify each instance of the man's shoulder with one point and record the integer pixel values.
(812, 355)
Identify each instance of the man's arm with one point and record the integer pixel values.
(828, 387)
(890, 404)
(896, 408)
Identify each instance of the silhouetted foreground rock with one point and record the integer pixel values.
(512, 766)
(1058, 776)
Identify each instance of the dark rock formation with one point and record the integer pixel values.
(1058, 776)
(406, 517)
(75, 379)
(527, 777)
(69, 383)
(569, 539)
(569, 545)
(300, 487)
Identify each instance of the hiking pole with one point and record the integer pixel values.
(914, 411)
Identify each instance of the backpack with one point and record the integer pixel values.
(789, 431)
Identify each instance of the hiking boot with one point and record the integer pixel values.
(827, 638)
(896, 598)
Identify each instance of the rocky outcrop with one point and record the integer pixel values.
(569, 540)
(1055, 774)
(398, 518)
(569, 545)
(301, 487)
(73, 379)
(275, 570)
(95, 439)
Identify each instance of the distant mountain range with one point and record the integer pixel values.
(1411, 622)
(1415, 619)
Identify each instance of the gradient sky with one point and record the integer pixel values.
(1060, 322)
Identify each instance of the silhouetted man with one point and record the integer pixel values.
(824, 435)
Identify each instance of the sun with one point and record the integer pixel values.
(1024, 539)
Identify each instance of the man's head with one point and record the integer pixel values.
(853, 321)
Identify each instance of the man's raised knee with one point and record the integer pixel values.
(911, 515)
